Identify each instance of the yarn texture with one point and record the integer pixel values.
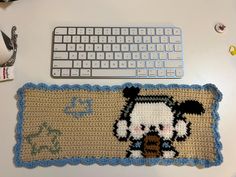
(122, 124)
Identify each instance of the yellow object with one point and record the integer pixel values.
(232, 50)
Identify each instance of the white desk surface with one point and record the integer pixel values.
(206, 55)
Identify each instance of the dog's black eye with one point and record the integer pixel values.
(161, 127)
(142, 127)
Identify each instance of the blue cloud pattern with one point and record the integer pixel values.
(76, 102)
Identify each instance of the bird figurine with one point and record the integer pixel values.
(7, 0)
(8, 48)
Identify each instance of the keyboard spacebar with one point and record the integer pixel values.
(114, 72)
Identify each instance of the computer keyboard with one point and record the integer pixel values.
(117, 52)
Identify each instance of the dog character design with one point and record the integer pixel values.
(152, 123)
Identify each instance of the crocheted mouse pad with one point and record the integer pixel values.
(127, 124)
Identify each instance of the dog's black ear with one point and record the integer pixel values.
(131, 92)
(191, 107)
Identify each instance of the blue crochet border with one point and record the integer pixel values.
(117, 161)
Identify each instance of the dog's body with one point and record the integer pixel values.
(153, 122)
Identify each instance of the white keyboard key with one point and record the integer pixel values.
(56, 72)
(81, 31)
(142, 47)
(109, 56)
(142, 72)
(91, 55)
(120, 39)
(175, 55)
(142, 31)
(98, 31)
(160, 47)
(84, 39)
(152, 72)
(72, 31)
(111, 39)
(154, 55)
(93, 39)
(89, 31)
(100, 55)
(105, 64)
(134, 47)
(88, 47)
(151, 47)
(177, 31)
(65, 72)
(132, 64)
(85, 72)
(116, 31)
(82, 55)
(76, 39)
(67, 39)
(124, 31)
(107, 47)
(86, 64)
(150, 64)
(118, 56)
(179, 72)
(138, 39)
(114, 64)
(124, 47)
(169, 47)
(122, 64)
(107, 31)
(71, 47)
(95, 64)
(145, 55)
(60, 55)
(61, 30)
(136, 55)
(133, 31)
(170, 72)
(178, 47)
(146, 39)
(102, 39)
(155, 39)
(59, 47)
(80, 47)
(159, 31)
(175, 39)
(159, 64)
(129, 39)
(150, 31)
(173, 63)
(115, 47)
(164, 39)
(77, 64)
(58, 39)
(161, 72)
(168, 31)
(163, 55)
(62, 63)
(114, 72)
(127, 56)
(74, 72)
(98, 47)
(141, 64)
(73, 55)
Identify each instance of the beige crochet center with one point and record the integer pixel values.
(92, 135)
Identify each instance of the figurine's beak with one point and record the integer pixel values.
(7, 41)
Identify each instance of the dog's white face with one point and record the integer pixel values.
(147, 117)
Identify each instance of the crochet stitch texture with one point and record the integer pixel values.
(127, 124)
